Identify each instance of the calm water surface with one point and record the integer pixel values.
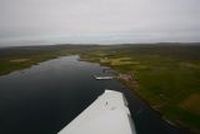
(46, 97)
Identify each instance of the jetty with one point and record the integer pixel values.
(104, 77)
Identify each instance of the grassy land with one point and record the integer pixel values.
(17, 58)
(167, 77)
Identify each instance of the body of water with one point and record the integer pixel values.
(46, 97)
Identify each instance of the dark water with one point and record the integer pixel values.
(46, 97)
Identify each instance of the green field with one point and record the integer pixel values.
(167, 76)
(16, 58)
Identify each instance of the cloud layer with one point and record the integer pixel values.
(100, 21)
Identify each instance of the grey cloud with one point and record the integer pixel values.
(100, 20)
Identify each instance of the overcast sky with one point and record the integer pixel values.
(99, 21)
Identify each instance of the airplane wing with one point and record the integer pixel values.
(108, 114)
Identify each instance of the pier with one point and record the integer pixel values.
(104, 77)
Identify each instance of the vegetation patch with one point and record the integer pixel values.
(19, 60)
(192, 103)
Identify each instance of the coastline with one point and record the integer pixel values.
(133, 89)
(165, 81)
(126, 83)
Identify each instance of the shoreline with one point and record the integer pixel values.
(131, 88)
